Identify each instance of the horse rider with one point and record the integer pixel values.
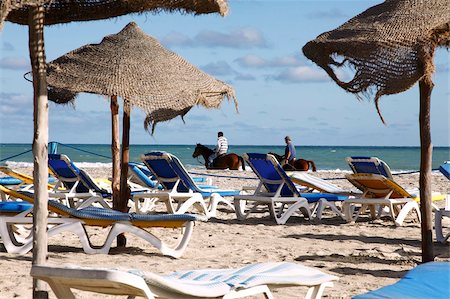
(221, 147)
(289, 151)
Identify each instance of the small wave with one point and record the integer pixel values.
(14, 164)
(337, 170)
(93, 164)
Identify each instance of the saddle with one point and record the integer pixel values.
(213, 162)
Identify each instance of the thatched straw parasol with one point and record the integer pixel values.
(137, 68)
(391, 47)
(65, 11)
(36, 13)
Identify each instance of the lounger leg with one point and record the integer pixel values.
(175, 251)
(349, 211)
(239, 209)
(196, 200)
(143, 205)
(215, 199)
(412, 205)
(438, 225)
(170, 205)
(300, 205)
(13, 246)
(347, 208)
(262, 289)
(316, 292)
(323, 203)
(90, 201)
(60, 290)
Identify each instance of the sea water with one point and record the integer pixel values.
(326, 158)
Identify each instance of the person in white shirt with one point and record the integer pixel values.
(221, 147)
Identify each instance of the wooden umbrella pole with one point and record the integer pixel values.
(115, 152)
(40, 141)
(124, 191)
(426, 151)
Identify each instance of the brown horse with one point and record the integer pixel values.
(300, 164)
(230, 161)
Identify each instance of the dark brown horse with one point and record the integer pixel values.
(300, 164)
(230, 161)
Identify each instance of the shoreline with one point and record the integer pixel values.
(364, 255)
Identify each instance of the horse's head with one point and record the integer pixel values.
(200, 149)
(197, 151)
(278, 157)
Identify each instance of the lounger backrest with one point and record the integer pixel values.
(162, 166)
(270, 173)
(369, 165)
(377, 185)
(68, 173)
(142, 174)
(182, 173)
(65, 171)
(445, 169)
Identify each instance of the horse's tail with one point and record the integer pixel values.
(312, 165)
(242, 162)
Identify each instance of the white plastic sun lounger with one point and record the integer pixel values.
(207, 283)
(444, 212)
(76, 220)
(180, 192)
(382, 192)
(318, 184)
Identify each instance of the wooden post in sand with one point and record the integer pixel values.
(115, 151)
(426, 152)
(124, 191)
(40, 142)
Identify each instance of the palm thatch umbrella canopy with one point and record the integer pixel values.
(36, 13)
(65, 11)
(137, 68)
(391, 47)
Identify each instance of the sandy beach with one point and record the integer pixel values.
(364, 255)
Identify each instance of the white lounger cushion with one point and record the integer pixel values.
(319, 184)
(218, 282)
(206, 283)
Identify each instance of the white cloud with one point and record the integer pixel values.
(301, 74)
(11, 103)
(219, 68)
(255, 61)
(245, 77)
(177, 39)
(332, 13)
(251, 61)
(242, 38)
(14, 63)
(222, 68)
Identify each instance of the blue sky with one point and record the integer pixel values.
(256, 49)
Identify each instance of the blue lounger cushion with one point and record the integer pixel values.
(360, 164)
(8, 181)
(445, 169)
(429, 280)
(14, 206)
(314, 197)
(96, 213)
